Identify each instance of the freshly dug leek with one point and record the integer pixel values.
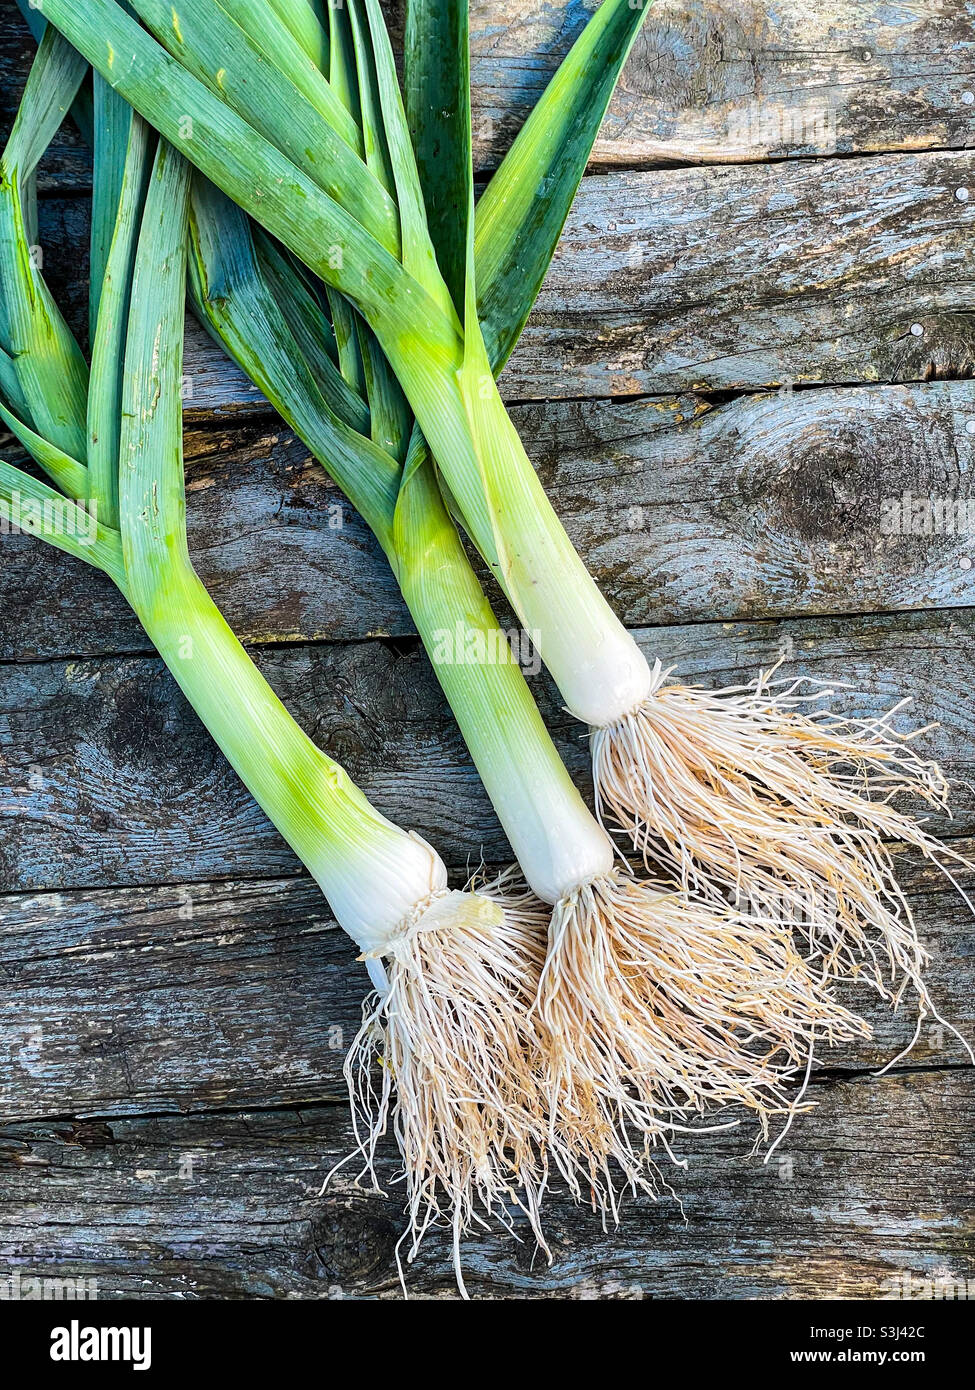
(758, 795)
(752, 1012)
(461, 969)
(759, 792)
(734, 1009)
(243, 105)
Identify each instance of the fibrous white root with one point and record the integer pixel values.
(447, 1058)
(657, 1010)
(762, 796)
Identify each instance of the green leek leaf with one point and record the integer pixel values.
(70, 475)
(523, 210)
(111, 123)
(276, 41)
(230, 293)
(217, 51)
(111, 325)
(152, 502)
(309, 25)
(36, 507)
(51, 372)
(436, 81)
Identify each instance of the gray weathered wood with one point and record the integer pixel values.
(872, 1189)
(754, 274)
(211, 996)
(759, 506)
(731, 81)
(109, 778)
(186, 998)
(739, 79)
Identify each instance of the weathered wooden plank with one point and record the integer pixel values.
(871, 1195)
(742, 80)
(760, 506)
(782, 504)
(834, 270)
(189, 998)
(210, 996)
(731, 81)
(108, 777)
(737, 277)
(282, 553)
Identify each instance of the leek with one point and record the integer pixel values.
(679, 1053)
(455, 972)
(740, 793)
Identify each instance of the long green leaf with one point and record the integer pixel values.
(70, 474)
(230, 292)
(436, 82)
(217, 51)
(108, 343)
(37, 508)
(345, 75)
(51, 371)
(81, 110)
(52, 84)
(341, 59)
(309, 26)
(52, 375)
(313, 333)
(389, 413)
(10, 387)
(417, 254)
(152, 501)
(267, 28)
(371, 118)
(520, 217)
(111, 123)
(344, 321)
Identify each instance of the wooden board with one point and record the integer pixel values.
(217, 995)
(109, 778)
(740, 80)
(871, 1194)
(763, 505)
(715, 279)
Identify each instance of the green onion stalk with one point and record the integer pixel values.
(710, 1008)
(455, 972)
(739, 792)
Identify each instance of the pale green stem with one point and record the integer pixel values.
(557, 841)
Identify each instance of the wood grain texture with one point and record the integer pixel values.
(283, 555)
(685, 511)
(739, 80)
(874, 1187)
(176, 997)
(109, 778)
(209, 996)
(730, 81)
(740, 277)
